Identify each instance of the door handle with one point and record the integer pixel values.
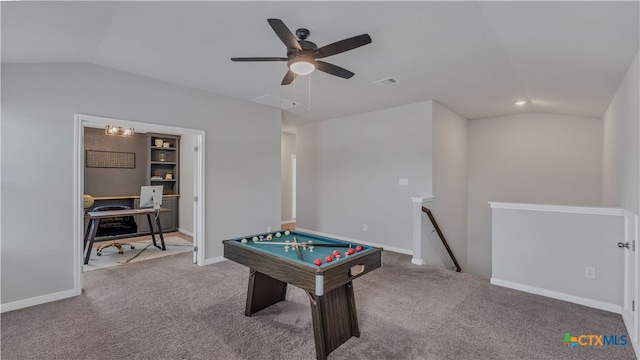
(623, 245)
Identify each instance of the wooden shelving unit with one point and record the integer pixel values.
(164, 158)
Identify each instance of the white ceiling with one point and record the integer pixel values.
(476, 58)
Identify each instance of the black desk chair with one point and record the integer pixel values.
(116, 226)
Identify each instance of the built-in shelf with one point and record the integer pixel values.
(164, 159)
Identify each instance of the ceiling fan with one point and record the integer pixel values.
(302, 55)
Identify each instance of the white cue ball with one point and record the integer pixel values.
(287, 232)
(244, 241)
(255, 239)
(278, 234)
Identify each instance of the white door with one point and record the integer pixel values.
(630, 301)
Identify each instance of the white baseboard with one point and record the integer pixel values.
(416, 261)
(214, 260)
(20, 304)
(185, 232)
(632, 336)
(288, 222)
(596, 304)
(385, 247)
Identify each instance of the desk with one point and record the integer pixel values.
(328, 285)
(94, 220)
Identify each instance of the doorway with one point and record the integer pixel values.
(288, 180)
(194, 155)
(631, 274)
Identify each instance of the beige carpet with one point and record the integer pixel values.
(171, 309)
(144, 250)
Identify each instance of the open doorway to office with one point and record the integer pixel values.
(288, 180)
(189, 143)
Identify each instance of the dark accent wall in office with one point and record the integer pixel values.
(116, 181)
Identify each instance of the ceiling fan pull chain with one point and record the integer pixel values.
(294, 88)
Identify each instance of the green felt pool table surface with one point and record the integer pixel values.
(315, 247)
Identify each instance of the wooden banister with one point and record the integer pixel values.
(441, 235)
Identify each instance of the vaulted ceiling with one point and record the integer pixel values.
(476, 58)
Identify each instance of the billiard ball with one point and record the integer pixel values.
(328, 259)
(244, 241)
(336, 253)
(255, 239)
(350, 251)
(269, 237)
(358, 248)
(278, 234)
(287, 232)
(318, 262)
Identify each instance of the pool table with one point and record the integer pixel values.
(276, 259)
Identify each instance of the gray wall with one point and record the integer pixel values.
(288, 149)
(38, 107)
(548, 250)
(348, 172)
(528, 158)
(450, 133)
(621, 159)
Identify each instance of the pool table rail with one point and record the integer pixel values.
(305, 276)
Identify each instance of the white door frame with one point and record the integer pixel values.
(630, 280)
(82, 121)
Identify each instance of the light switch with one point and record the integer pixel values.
(404, 182)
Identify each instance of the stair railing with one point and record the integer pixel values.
(441, 235)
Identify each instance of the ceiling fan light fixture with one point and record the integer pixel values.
(302, 66)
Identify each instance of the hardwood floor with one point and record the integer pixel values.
(289, 226)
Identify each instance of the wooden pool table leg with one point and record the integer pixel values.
(263, 291)
(334, 319)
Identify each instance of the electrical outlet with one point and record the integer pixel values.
(268, 228)
(364, 227)
(590, 272)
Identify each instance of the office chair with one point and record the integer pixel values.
(115, 226)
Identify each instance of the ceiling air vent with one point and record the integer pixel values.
(386, 82)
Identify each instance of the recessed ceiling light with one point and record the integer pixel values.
(520, 103)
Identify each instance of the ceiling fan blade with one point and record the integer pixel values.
(288, 78)
(284, 34)
(333, 69)
(259, 59)
(342, 46)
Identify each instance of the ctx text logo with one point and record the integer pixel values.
(594, 340)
